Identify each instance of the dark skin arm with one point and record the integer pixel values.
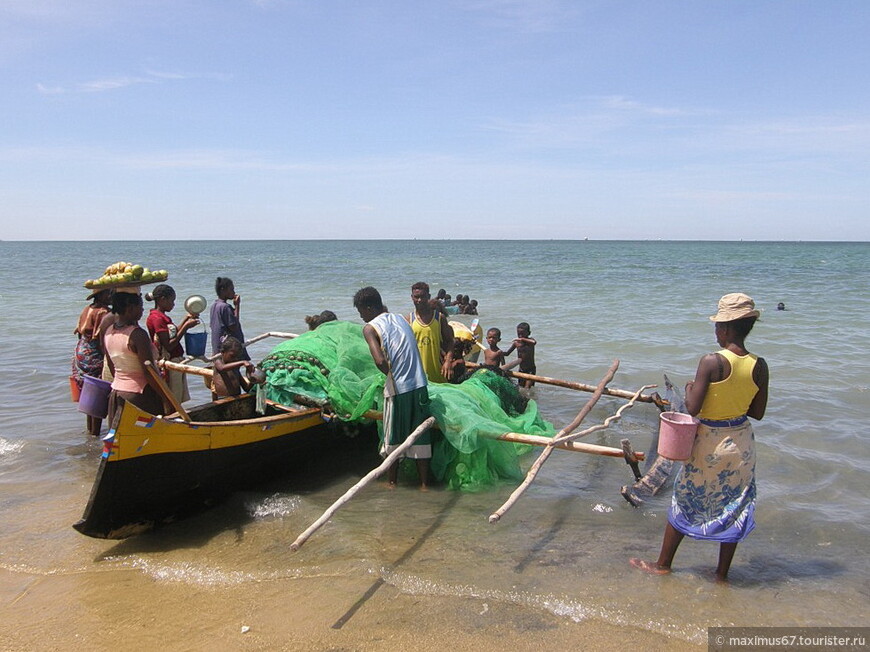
(447, 349)
(225, 384)
(220, 365)
(518, 346)
(374, 342)
(169, 343)
(761, 376)
(708, 372)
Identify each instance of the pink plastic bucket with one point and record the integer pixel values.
(94, 399)
(676, 435)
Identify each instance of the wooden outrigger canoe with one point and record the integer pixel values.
(157, 468)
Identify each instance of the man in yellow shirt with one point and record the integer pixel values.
(433, 334)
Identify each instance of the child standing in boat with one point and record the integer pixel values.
(228, 379)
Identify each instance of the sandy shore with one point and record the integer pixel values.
(98, 611)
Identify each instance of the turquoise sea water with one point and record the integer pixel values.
(564, 547)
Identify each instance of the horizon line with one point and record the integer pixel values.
(743, 240)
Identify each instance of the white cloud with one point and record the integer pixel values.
(623, 103)
(50, 90)
(524, 15)
(98, 85)
(124, 81)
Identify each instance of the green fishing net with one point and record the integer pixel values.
(333, 365)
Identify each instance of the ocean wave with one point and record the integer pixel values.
(277, 505)
(211, 576)
(561, 606)
(10, 448)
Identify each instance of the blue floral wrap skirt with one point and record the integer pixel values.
(714, 493)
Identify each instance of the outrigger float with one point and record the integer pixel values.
(159, 468)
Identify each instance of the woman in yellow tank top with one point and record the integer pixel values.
(714, 494)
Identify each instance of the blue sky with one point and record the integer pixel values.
(538, 119)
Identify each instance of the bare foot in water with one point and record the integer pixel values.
(648, 566)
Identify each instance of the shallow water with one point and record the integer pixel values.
(563, 549)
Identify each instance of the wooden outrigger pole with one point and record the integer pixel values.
(583, 387)
(564, 436)
(369, 477)
(261, 336)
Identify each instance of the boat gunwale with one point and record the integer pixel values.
(288, 416)
(175, 419)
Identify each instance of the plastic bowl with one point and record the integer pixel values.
(195, 304)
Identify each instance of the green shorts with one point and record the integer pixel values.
(402, 414)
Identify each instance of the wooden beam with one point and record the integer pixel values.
(583, 387)
(165, 391)
(371, 475)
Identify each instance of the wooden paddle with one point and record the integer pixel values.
(165, 391)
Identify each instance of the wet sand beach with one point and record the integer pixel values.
(124, 609)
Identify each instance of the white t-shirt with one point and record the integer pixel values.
(400, 347)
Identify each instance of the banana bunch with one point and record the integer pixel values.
(122, 272)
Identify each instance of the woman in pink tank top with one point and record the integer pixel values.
(127, 348)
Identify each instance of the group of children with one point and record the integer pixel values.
(493, 356)
(463, 305)
(523, 344)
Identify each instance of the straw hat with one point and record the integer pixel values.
(96, 292)
(735, 306)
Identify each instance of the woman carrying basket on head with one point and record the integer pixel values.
(714, 494)
(128, 348)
